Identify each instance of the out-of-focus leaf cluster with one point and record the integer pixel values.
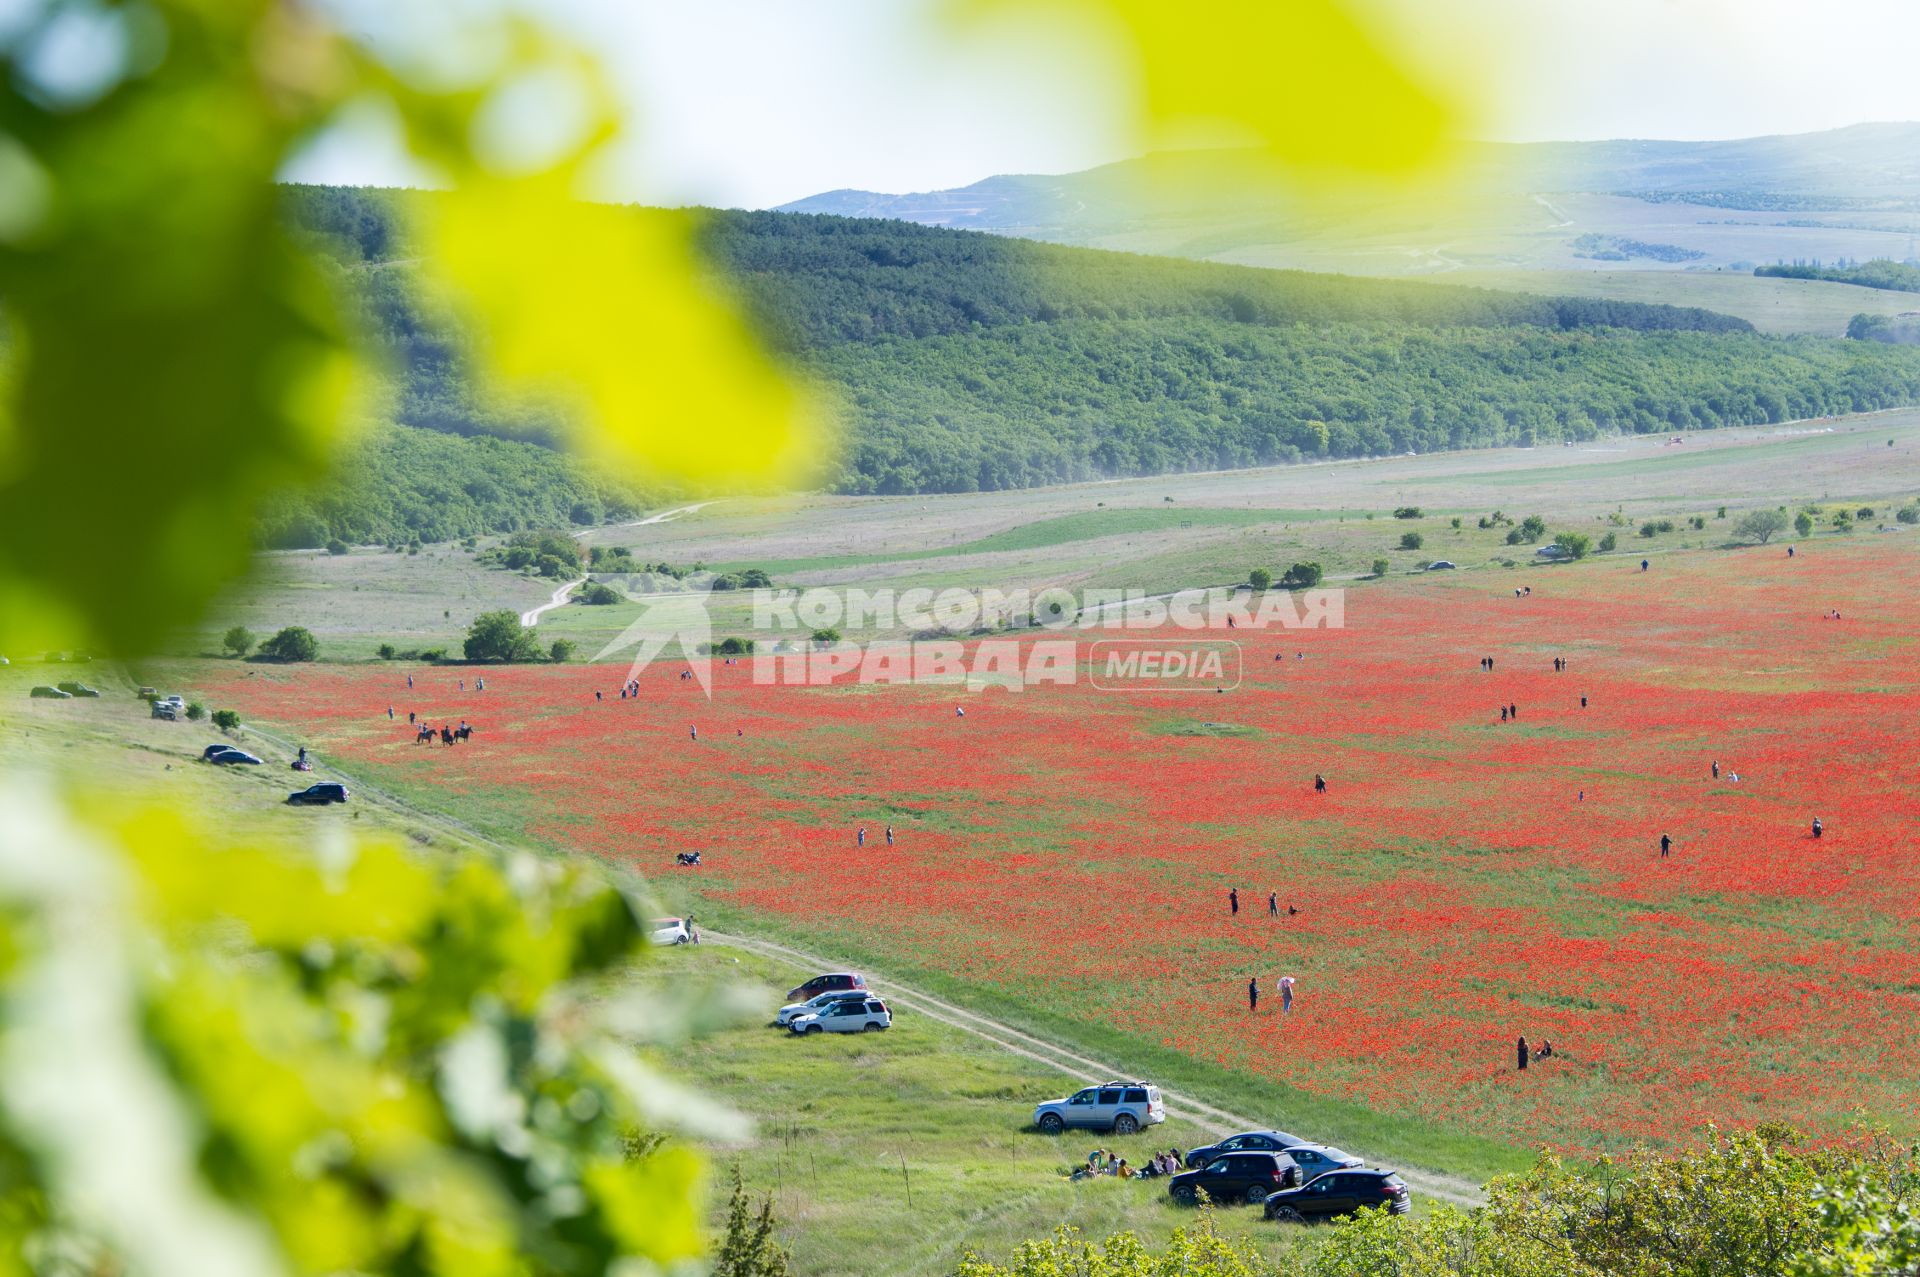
(219, 1056)
(173, 356)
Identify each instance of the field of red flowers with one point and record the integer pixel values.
(1462, 882)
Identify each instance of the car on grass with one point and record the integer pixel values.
(45, 693)
(1245, 1142)
(327, 791)
(1441, 565)
(1340, 1193)
(792, 1010)
(1236, 1177)
(228, 756)
(863, 1015)
(670, 931)
(80, 689)
(833, 982)
(1318, 1159)
(1120, 1107)
(1553, 553)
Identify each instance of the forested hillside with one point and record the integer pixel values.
(967, 361)
(1899, 277)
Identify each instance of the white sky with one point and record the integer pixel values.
(756, 102)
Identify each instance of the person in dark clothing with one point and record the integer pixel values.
(1789, 552)
(1521, 1051)
(1818, 828)
(1503, 713)
(1273, 904)
(1253, 993)
(1583, 702)
(1716, 769)
(1233, 901)
(1319, 783)
(1643, 565)
(1666, 845)
(1513, 711)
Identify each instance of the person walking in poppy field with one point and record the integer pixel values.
(1233, 901)
(1286, 995)
(1253, 993)
(1520, 1050)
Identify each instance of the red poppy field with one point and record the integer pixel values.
(1464, 881)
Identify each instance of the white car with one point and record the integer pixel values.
(819, 1003)
(862, 1016)
(670, 931)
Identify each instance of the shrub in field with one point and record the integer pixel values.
(1190, 1252)
(337, 547)
(1411, 541)
(1803, 523)
(1609, 541)
(238, 640)
(1303, 576)
(385, 652)
(1381, 567)
(747, 1246)
(499, 636)
(1654, 527)
(599, 594)
(294, 643)
(225, 719)
(1409, 512)
(561, 652)
(1576, 544)
(1754, 1202)
(1761, 525)
(1260, 578)
(732, 646)
(196, 711)
(822, 638)
(1908, 514)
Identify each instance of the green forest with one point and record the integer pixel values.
(963, 361)
(1894, 276)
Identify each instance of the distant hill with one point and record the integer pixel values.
(1852, 192)
(964, 361)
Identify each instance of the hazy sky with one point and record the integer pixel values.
(756, 102)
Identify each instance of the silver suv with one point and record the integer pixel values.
(1120, 1107)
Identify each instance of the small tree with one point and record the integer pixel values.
(385, 651)
(1408, 512)
(336, 546)
(1609, 541)
(1381, 567)
(1576, 544)
(747, 1248)
(238, 640)
(822, 638)
(561, 652)
(196, 711)
(225, 719)
(295, 643)
(1761, 525)
(1532, 528)
(1411, 541)
(1260, 578)
(599, 594)
(1302, 576)
(499, 636)
(1908, 514)
(1803, 523)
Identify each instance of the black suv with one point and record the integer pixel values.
(1236, 1177)
(325, 792)
(1340, 1193)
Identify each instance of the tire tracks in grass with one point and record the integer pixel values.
(1217, 1121)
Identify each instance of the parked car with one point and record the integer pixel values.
(670, 931)
(1246, 1142)
(45, 693)
(831, 983)
(320, 795)
(794, 1009)
(1440, 565)
(1120, 1107)
(1318, 1159)
(1236, 1177)
(169, 711)
(1553, 553)
(79, 689)
(230, 756)
(859, 1016)
(1341, 1193)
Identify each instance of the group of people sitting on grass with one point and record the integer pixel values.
(1104, 1161)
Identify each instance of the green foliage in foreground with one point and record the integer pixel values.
(229, 1058)
(1759, 1202)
